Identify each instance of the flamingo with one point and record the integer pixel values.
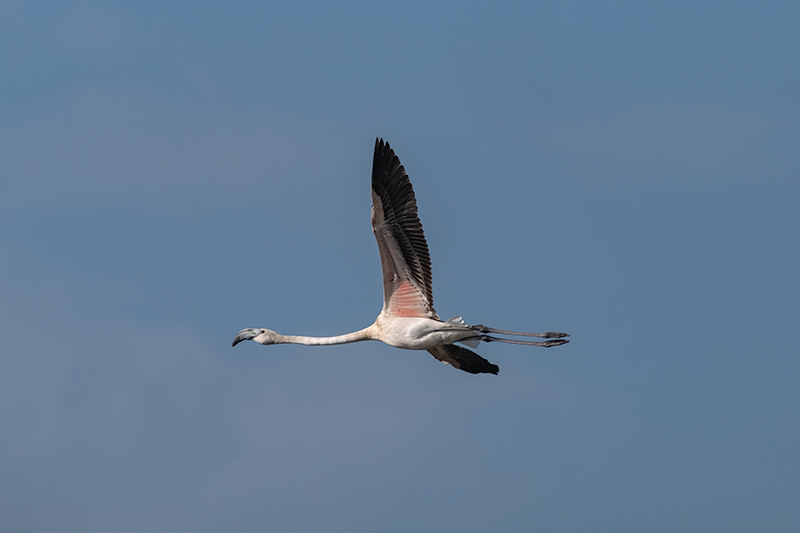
(408, 319)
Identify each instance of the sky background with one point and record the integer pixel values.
(173, 172)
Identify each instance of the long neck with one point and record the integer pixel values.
(357, 336)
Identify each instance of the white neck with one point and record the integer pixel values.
(365, 334)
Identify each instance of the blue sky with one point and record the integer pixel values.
(173, 172)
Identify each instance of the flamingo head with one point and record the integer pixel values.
(259, 335)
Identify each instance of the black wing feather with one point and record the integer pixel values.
(390, 182)
(463, 359)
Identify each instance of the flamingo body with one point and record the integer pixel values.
(407, 319)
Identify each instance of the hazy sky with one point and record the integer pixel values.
(172, 172)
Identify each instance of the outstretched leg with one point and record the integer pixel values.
(546, 344)
(548, 335)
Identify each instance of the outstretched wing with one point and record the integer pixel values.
(463, 359)
(405, 260)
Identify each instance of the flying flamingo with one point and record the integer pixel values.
(407, 319)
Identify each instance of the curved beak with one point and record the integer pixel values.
(245, 335)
